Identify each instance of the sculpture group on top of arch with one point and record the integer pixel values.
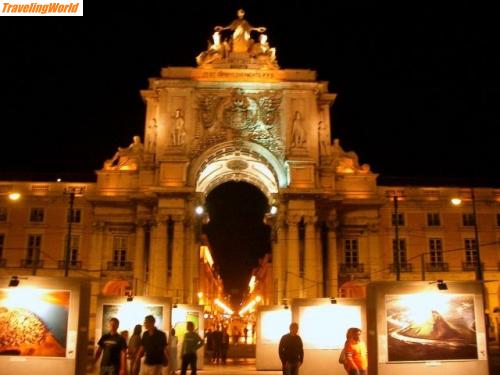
(240, 46)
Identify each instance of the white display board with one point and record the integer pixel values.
(44, 325)
(323, 323)
(317, 328)
(272, 323)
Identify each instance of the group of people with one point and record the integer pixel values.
(218, 344)
(158, 352)
(354, 355)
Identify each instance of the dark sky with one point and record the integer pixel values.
(418, 88)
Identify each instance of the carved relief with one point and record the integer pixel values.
(240, 116)
(237, 165)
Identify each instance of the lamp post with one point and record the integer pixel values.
(457, 202)
(68, 240)
(395, 195)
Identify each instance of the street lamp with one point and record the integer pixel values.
(458, 202)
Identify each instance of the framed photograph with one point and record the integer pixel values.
(131, 313)
(34, 322)
(430, 326)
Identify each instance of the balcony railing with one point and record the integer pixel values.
(3, 262)
(119, 266)
(73, 264)
(352, 268)
(437, 267)
(28, 263)
(403, 267)
(471, 266)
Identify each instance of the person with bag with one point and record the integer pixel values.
(354, 356)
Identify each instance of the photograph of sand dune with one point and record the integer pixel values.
(430, 327)
(33, 322)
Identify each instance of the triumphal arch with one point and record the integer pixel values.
(237, 116)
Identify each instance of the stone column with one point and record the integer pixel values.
(333, 266)
(292, 273)
(277, 224)
(310, 258)
(139, 259)
(178, 255)
(158, 259)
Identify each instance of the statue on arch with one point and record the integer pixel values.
(126, 158)
(241, 40)
(298, 131)
(178, 133)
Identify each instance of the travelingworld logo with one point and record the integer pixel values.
(41, 8)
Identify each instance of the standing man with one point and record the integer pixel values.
(192, 342)
(356, 358)
(154, 344)
(291, 351)
(114, 349)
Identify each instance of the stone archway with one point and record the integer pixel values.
(248, 162)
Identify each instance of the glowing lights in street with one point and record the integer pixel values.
(456, 201)
(199, 210)
(206, 255)
(251, 284)
(223, 306)
(250, 306)
(273, 210)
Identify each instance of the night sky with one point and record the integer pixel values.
(418, 88)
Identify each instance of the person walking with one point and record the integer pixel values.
(217, 346)
(192, 342)
(356, 357)
(291, 351)
(224, 347)
(134, 345)
(172, 352)
(114, 350)
(154, 345)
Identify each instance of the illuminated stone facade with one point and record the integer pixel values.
(239, 117)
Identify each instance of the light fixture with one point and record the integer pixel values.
(456, 201)
(174, 306)
(442, 285)
(58, 180)
(129, 295)
(14, 281)
(273, 210)
(130, 298)
(285, 304)
(14, 196)
(199, 210)
(333, 301)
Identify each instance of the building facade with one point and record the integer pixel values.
(238, 116)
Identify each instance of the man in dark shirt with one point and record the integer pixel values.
(291, 351)
(192, 342)
(114, 348)
(154, 344)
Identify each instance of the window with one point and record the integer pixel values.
(470, 250)
(36, 215)
(3, 214)
(119, 251)
(468, 219)
(436, 250)
(351, 253)
(73, 249)
(2, 241)
(398, 219)
(498, 220)
(402, 251)
(74, 216)
(34, 248)
(433, 219)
